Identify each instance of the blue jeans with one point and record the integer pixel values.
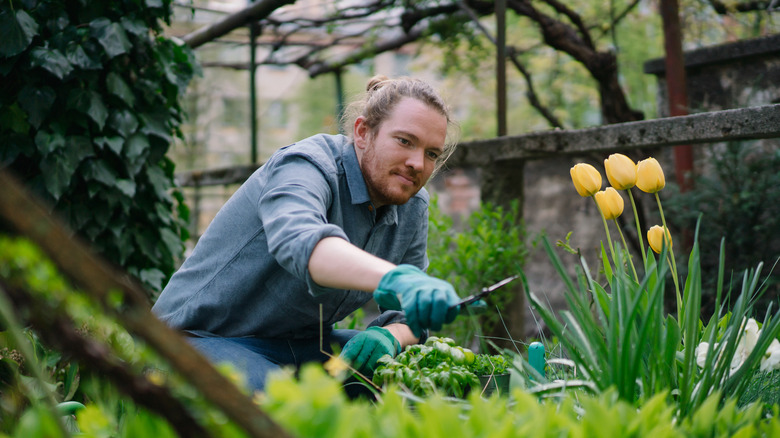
(255, 357)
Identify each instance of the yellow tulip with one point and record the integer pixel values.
(621, 171)
(655, 237)
(586, 179)
(610, 203)
(650, 176)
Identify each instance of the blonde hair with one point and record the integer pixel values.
(381, 96)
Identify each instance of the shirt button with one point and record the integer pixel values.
(371, 208)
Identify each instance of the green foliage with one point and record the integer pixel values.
(739, 202)
(316, 406)
(88, 108)
(619, 336)
(438, 366)
(490, 248)
(489, 364)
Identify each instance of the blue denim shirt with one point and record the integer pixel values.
(248, 274)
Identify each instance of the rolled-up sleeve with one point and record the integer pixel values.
(293, 208)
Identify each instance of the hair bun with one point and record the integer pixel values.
(375, 83)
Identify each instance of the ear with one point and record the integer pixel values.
(360, 133)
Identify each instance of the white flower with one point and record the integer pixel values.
(771, 359)
(747, 342)
(701, 353)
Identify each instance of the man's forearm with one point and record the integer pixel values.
(339, 264)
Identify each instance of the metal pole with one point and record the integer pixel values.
(674, 62)
(339, 99)
(501, 66)
(252, 91)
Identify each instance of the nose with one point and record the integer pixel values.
(416, 159)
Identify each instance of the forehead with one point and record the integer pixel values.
(411, 116)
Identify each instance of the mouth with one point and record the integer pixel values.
(407, 179)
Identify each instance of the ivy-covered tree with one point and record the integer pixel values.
(89, 105)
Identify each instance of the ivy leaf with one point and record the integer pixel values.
(15, 119)
(123, 122)
(152, 278)
(98, 170)
(113, 143)
(111, 36)
(78, 57)
(171, 241)
(56, 170)
(154, 124)
(136, 145)
(51, 60)
(159, 182)
(79, 148)
(118, 87)
(126, 186)
(36, 102)
(135, 27)
(16, 32)
(48, 142)
(89, 102)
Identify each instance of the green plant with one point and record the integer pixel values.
(88, 109)
(619, 336)
(437, 366)
(738, 198)
(491, 247)
(489, 364)
(314, 405)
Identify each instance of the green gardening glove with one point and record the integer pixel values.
(365, 348)
(427, 301)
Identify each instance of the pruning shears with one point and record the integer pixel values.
(465, 309)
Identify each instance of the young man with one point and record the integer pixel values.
(325, 225)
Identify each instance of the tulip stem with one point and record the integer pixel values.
(638, 229)
(628, 254)
(606, 230)
(672, 262)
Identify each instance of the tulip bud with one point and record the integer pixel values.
(650, 176)
(655, 237)
(586, 179)
(621, 171)
(610, 203)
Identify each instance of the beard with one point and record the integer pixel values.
(382, 188)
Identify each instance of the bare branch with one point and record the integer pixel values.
(258, 10)
(749, 6)
(99, 279)
(533, 98)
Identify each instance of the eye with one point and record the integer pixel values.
(404, 141)
(433, 155)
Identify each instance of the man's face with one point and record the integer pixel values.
(399, 159)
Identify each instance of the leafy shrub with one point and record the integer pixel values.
(490, 248)
(88, 108)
